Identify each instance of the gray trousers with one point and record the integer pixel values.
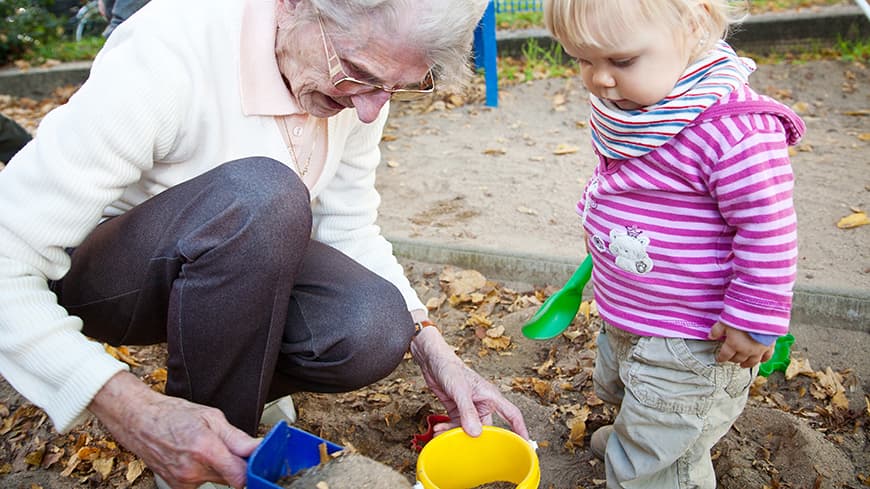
(222, 268)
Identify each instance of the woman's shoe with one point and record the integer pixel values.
(277, 410)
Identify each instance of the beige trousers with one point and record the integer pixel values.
(675, 402)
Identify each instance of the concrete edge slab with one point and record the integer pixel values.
(847, 309)
(39, 83)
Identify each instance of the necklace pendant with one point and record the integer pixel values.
(297, 131)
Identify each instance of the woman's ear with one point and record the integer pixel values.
(284, 10)
(287, 6)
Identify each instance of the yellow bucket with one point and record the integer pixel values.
(454, 460)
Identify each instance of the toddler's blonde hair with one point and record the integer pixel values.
(602, 23)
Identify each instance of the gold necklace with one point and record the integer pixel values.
(304, 169)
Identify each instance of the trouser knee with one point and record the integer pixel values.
(350, 335)
(379, 336)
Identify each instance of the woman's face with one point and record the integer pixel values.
(379, 60)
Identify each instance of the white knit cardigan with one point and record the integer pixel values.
(160, 107)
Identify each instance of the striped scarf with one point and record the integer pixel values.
(621, 134)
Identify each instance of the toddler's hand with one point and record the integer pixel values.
(739, 347)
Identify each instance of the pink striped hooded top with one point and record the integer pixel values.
(701, 229)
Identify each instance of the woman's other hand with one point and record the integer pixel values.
(470, 399)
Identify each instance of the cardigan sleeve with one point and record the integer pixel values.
(53, 194)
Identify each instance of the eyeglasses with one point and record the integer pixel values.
(346, 83)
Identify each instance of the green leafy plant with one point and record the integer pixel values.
(545, 61)
(854, 50)
(27, 25)
(519, 20)
(66, 50)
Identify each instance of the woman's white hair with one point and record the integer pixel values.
(442, 30)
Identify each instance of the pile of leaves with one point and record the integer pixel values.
(85, 455)
(550, 381)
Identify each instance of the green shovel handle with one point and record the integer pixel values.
(581, 276)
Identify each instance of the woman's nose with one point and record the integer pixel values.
(368, 105)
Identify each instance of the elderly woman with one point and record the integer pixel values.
(212, 185)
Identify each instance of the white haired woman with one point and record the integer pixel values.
(211, 185)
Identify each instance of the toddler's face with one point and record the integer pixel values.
(639, 70)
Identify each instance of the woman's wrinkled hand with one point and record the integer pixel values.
(470, 399)
(185, 443)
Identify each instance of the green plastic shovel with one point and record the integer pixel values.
(557, 312)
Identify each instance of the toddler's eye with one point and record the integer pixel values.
(623, 62)
(583, 62)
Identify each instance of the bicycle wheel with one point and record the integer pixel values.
(90, 22)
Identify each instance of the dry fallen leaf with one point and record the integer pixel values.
(495, 332)
(799, 366)
(456, 100)
(461, 282)
(71, 465)
(578, 431)
(853, 220)
(864, 136)
(565, 149)
(577, 425)
(35, 457)
(134, 470)
(475, 319)
(801, 107)
(832, 383)
(103, 466)
(526, 210)
(494, 151)
(157, 379)
(121, 353)
(54, 454)
(499, 344)
(435, 302)
(542, 388)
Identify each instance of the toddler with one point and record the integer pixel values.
(690, 223)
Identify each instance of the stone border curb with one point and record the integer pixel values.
(39, 83)
(846, 309)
